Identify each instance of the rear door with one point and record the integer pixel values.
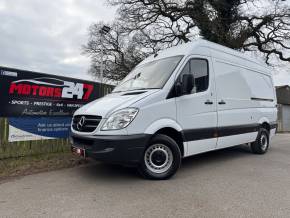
(196, 112)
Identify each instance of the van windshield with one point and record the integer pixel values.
(152, 75)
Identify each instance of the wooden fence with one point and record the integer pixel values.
(27, 148)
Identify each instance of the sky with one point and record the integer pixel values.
(46, 36)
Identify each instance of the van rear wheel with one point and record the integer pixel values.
(261, 145)
(161, 159)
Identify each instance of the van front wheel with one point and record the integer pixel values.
(261, 145)
(161, 159)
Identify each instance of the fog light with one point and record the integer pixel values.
(78, 151)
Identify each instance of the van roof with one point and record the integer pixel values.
(201, 47)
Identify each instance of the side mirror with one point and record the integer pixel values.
(185, 86)
(187, 83)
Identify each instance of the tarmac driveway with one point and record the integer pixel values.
(227, 183)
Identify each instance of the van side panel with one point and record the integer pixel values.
(260, 86)
(247, 96)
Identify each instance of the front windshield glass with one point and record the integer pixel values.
(152, 75)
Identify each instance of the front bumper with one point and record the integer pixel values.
(124, 149)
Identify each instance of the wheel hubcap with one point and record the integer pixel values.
(158, 158)
(264, 142)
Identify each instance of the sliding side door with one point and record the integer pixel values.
(237, 115)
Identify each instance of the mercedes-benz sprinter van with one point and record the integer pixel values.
(185, 100)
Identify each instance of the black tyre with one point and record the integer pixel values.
(161, 159)
(261, 145)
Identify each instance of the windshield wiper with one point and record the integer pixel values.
(134, 90)
(141, 89)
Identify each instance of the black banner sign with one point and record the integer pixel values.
(25, 93)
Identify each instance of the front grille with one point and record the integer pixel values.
(86, 123)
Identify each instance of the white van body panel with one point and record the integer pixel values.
(110, 103)
(192, 113)
(247, 89)
(162, 123)
(240, 88)
(200, 146)
(229, 141)
(154, 108)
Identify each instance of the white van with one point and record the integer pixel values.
(185, 100)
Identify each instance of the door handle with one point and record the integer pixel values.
(222, 102)
(208, 102)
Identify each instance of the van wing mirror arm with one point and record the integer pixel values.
(178, 88)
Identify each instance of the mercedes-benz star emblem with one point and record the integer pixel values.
(81, 123)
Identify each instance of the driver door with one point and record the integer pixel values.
(197, 111)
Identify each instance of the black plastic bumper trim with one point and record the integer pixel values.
(127, 149)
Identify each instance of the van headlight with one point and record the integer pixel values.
(120, 119)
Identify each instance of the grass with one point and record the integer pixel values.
(14, 167)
